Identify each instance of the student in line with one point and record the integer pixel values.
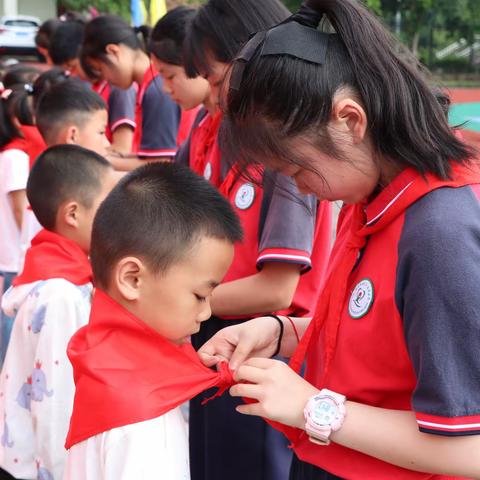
(279, 266)
(50, 301)
(112, 49)
(392, 364)
(133, 363)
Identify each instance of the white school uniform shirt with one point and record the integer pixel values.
(36, 382)
(14, 170)
(151, 450)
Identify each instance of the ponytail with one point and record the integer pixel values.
(14, 103)
(294, 96)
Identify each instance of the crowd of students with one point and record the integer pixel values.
(165, 237)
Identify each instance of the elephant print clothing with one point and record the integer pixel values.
(36, 383)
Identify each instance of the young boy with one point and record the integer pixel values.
(69, 112)
(133, 364)
(51, 301)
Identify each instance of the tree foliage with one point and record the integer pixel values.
(421, 24)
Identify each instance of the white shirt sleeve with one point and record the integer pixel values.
(16, 170)
(52, 381)
(150, 450)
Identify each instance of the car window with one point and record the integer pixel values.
(20, 23)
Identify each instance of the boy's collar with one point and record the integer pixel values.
(54, 256)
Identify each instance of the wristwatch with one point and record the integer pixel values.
(324, 414)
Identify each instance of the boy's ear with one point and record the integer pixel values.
(69, 214)
(128, 277)
(71, 134)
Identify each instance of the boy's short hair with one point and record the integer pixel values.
(157, 213)
(66, 42)
(61, 173)
(68, 102)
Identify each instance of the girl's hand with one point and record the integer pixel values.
(280, 392)
(255, 338)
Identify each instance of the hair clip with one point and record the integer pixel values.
(6, 93)
(289, 38)
(28, 87)
(67, 73)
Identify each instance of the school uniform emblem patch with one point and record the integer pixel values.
(361, 299)
(207, 173)
(245, 196)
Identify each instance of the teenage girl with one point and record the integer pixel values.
(392, 366)
(166, 53)
(112, 49)
(200, 151)
(277, 267)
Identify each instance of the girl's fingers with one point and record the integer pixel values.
(263, 363)
(254, 409)
(241, 353)
(246, 390)
(208, 360)
(247, 373)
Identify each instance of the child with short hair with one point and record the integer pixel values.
(133, 363)
(50, 301)
(71, 113)
(67, 112)
(166, 54)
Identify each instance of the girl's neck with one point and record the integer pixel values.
(210, 106)
(140, 66)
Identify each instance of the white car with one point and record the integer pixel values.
(17, 34)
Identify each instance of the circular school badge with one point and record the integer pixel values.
(245, 196)
(207, 173)
(361, 299)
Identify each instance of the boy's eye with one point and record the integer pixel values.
(200, 298)
(170, 77)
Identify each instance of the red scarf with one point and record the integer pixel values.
(54, 256)
(326, 320)
(206, 137)
(126, 373)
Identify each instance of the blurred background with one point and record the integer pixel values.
(443, 34)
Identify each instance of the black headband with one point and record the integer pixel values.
(290, 38)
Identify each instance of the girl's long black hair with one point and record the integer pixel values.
(282, 97)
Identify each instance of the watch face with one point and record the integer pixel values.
(325, 412)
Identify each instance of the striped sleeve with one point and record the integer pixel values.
(160, 120)
(449, 426)
(438, 274)
(288, 220)
(121, 107)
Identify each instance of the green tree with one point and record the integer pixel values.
(115, 7)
